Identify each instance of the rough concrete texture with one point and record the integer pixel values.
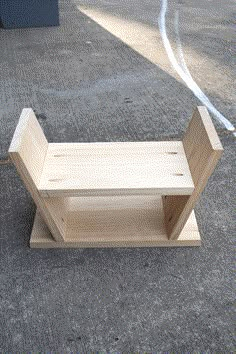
(90, 81)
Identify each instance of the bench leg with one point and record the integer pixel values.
(203, 149)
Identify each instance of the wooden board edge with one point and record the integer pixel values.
(57, 193)
(20, 129)
(41, 238)
(210, 129)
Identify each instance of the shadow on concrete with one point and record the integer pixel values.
(211, 34)
(86, 85)
(207, 42)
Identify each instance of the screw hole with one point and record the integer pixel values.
(179, 174)
(55, 180)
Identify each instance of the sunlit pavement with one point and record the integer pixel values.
(104, 75)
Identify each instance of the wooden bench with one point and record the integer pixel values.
(120, 194)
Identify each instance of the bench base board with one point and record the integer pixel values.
(190, 236)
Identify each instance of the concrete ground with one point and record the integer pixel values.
(104, 75)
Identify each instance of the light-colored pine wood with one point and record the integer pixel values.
(28, 150)
(30, 145)
(127, 222)
(136, 194)
(203, 149)
(77, 169)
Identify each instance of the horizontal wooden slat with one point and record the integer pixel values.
(75, 169)
(115, 222)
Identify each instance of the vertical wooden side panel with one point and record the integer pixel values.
(28, 150)
(202, 146)
(30, 143)
(203, 149)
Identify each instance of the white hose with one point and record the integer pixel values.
(183, 70)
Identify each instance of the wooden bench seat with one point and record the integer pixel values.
(76, 169)
(125, 194)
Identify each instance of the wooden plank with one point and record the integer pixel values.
(30, 144)
(77, 169)
(136, 222)
(203, 150)
(28, 150)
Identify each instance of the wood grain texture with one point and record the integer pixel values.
(136, 222)
(110, 194)
(28, 150)
(203, 149)
(77, 169)
(29, 144)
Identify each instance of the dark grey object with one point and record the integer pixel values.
(29, 13)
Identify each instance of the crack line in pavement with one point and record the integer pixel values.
(183, 70)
